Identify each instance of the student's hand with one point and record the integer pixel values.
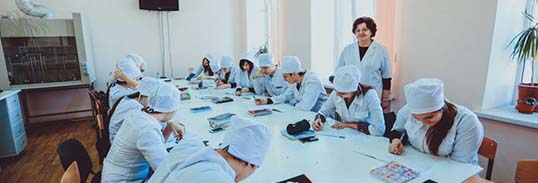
(396, 147)
(200, 78)
(219, 82)
(385, 104)
(385, 99)
(119, 74)
(342, 125)
(260, 101)
(238, 93)
(177, 129)
(257, 75)
(317, 124)
(223, 86)
(245, 90)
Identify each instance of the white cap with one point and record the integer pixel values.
(226, 61)
(247, 140)
(165, 99)
(266, 60)
(210, 57)
(291, 64)
(347, 79)
(425, 95)
(215, 66)
(128, 66)
(148, 85)
(249, 57)
(139, 61)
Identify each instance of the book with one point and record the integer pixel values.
(305, 134)
(299, 179)
(185, 96)
(222, 100)
(395, 172)
(200, 109)
(220, 121)
(260, 112)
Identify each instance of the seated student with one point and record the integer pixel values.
(139, 61)
(203, 70)
(137, 101)
(305, 91)
(242, 151)
(126, 77)
(228, 73)
(269, 80)
(355, 105)
(139, 144)
(436, 126)
(245, 77)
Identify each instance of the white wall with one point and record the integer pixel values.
(322, 37)
(118, 27)
(295, 30)
(450, 40)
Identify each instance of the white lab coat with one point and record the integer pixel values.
(364, 108)
(274, 85)
(310, 97)
(118, 91)
(461, 143)
(192, 162)
(245, 81)
(139, 145)
(200, 72)
(375, 65)
(116, 120)
(234, 71)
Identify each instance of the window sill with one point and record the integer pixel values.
(509, 114)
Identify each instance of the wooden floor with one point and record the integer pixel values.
(39, 161)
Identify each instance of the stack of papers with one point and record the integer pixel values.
(220, 121)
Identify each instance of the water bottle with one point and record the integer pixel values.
(158, 75)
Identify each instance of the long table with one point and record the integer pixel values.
(331, 159)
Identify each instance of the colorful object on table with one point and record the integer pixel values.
(395, 173)
(260, 112)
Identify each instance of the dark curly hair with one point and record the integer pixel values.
(370, 24)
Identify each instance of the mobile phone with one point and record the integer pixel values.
(308, 139)
(429, 181)
(216, 130)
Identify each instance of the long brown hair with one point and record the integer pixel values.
(437, 133)
(362, 89)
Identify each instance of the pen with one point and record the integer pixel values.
(370, 156)
(330, 135)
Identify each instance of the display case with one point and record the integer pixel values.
(40, 53)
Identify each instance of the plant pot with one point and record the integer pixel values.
(522, 107)
(527, 90)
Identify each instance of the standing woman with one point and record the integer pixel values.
(370, 57)
(355, 105)
(436, 126)
(204, 69)
(139, 143)
(245, 78)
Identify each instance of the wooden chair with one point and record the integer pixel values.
(526, 171)
(488, 149)
(71, 174)
(100, 113)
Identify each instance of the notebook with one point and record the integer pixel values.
(200, 109)
(221, 120)
(299, 179)
(222, 100)
(260, 112)
(395, 172)
(305, 134)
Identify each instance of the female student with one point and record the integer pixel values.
(126, 77)
(203, 70)
(139, 144)
(305, 91)
(355, 105)
(436, 126)
(245, 78)
(228, 73)
(118, 112)
(370, 57)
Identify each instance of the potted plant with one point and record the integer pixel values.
(525, 49)
(527, 105)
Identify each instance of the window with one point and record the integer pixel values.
(332, 22)
(257, 25)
